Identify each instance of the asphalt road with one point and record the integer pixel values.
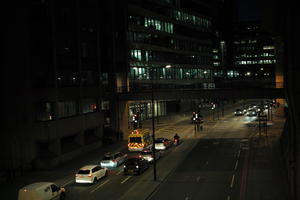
(211, 164)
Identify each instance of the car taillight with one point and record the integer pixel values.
(90, 175)
(114, 160)
(76, 175)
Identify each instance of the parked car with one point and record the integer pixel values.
(41, 190)
(90, 174)
(162, 143)
(148, 155)
(113, 159)
(135, 165)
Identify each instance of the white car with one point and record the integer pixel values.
(162, 143)
(113, 159)
(90, 174)
(41, 190)
(148, 155)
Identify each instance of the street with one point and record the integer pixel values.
(214, 164)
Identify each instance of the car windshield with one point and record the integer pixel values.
(107, 158)
(84, 171)
(132, 161)
(146, 153)
(135, 140)
(159, 140)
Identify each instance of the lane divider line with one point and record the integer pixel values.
(239, 154)
(232, 180)
(119, 172)
(228, 197)
(236, 165)
(100, 185)
(126, 179)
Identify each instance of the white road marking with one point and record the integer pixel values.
(119, 172)
(126, 179)
(100, 185)
(198, 178)
(228, 197)
(236, 165)
(67, 183)
(239, 154)
(232, 180)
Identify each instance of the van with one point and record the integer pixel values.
(139, 140)
(41, 191)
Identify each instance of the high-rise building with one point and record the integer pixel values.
(172, 43)
(254, 59)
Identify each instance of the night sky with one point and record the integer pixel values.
(248, 10)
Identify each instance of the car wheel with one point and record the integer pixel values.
(95, 180)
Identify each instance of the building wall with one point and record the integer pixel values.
(51, 82)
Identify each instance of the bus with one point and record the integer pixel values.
(139, 140)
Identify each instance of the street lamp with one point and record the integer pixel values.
(153, 124)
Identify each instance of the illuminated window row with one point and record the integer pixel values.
(216, 64)
(245, 42)
(191, 19)
(167, 42)
(161, 73)
(158, 25)
(147, 55)
(232, 74)
(255, 55)
(253, 62)
(268, 47)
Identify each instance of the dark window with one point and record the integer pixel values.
(87, 171)
(135, 140)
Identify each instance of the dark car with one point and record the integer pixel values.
(251, 113)
(238, 112)
(135, 166)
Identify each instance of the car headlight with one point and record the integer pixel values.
(137, 166)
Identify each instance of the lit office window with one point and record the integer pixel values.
(268, 47)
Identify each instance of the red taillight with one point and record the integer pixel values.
(114, 160)
(90, 175)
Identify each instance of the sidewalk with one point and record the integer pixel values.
(267, 177)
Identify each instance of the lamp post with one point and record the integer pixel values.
(153, 125)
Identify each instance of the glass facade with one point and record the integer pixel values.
(145, 109)
(144, 73)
